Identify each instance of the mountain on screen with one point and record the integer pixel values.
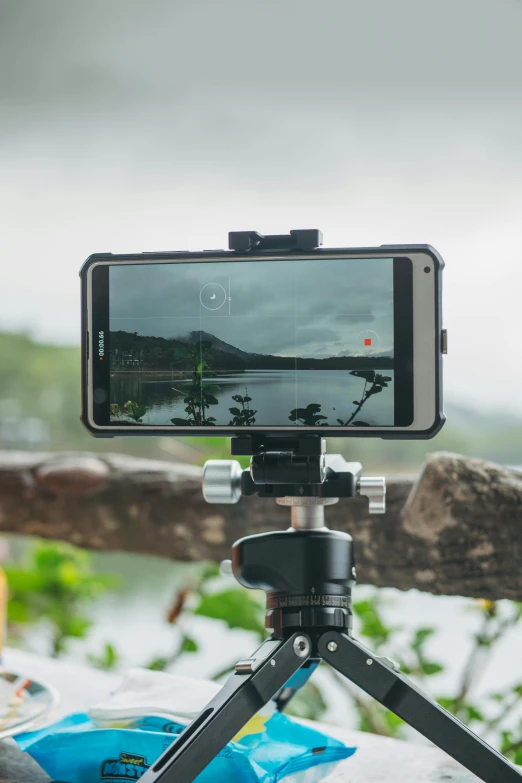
(220, 345)
(131, 351)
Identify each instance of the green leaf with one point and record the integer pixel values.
(55, 587)
(158, 664)
(372, 625)
(108, 660)
(77, 627)
(236, 607)
(189, 645)
(368, 375)
(430, 668)
(420, 637)
(19, 612)
(473, 713)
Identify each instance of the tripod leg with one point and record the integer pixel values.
(253, 684)
(380, 680)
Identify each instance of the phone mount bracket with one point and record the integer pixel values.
(302, 240)
(294, 472)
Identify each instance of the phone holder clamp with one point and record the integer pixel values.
(302, 240)
(306, 484)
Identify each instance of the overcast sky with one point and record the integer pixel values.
(289, 308)
(129, 126)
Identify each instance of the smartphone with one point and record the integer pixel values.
(337, 341)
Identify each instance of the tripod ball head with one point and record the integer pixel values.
(307, 575)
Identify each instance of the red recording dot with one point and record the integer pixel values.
(367, 340)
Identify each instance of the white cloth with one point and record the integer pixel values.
(143, 692)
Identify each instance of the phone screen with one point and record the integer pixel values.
(291, 342)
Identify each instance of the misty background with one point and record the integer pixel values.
(129, 126)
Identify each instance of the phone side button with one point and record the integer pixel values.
(444, 341)
(88, 346)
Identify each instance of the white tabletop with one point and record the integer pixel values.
(377, 760)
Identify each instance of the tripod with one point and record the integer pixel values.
(307, 573)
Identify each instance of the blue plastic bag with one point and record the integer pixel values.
(76, 751)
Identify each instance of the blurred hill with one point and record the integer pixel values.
(40, 408)
(40, 405)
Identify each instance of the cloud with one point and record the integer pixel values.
(269, 306)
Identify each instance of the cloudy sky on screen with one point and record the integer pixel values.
(289, 308)
(130, 126)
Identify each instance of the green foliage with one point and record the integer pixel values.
(492, 720)
(130, 410)
(56, 586)
(200, 395)
(377, 383)
(244, 416)
(372, 623)
(236, 607)
(414, 660)
(39, 383)
(107, 660)
(310, 416)
(163, 662)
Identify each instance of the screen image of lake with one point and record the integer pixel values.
(274, 393)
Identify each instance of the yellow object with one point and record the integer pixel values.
(255, 725)
(3, 609)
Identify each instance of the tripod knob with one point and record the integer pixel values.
(222, 481)
(374, 487)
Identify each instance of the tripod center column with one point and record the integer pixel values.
(307, 512)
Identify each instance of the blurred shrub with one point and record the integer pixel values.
(57, 589)
(54, 588)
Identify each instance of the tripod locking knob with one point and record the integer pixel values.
(222, 481)
(374, 487)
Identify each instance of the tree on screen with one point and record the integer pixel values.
(311, 416)
(244, 416)
(377, 383)
(200, 395)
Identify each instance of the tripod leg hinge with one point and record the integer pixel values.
(301, 647)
